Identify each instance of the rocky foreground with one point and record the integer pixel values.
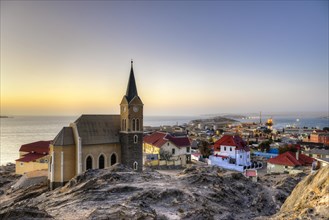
(309, 199)
(120, 193)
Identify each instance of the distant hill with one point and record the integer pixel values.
(216, 120)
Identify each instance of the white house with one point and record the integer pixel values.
(233, 149)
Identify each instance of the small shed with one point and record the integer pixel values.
(251, 173)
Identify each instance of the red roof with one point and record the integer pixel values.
(180, 141)
(289, 159)
(41, 147)
(251, 173)
(155, 139)
(30, 157)
(158, 139)
(231, 140)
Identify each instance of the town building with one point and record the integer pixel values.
(319, 137)
(100, 141)
(288, 162)
(233, 148)
(33, 156)
(178, 147)
(317, 152)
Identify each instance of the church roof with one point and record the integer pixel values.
(131, 88)
(98, 129)
(64, 137)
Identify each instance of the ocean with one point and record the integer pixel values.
(20, 130)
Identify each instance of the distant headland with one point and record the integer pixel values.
(4, 116)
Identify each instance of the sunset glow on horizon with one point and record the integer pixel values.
(71, 58)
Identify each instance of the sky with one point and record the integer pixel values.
(190, 58)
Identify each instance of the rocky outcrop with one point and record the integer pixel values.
(120, 193)
(309, 199)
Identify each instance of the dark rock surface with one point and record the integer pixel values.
(120, 193)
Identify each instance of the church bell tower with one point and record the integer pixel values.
(131, 134)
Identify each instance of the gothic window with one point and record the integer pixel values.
(135, 139)
(137, 124)
(135, 165)
(89, 163)
(134, 125)
(113, 159)
(101, 162)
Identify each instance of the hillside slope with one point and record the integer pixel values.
(120, 193)
(309, 199)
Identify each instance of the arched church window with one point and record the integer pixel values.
(101, 162)
(137, 124)
(113, 159)
(135, 165)
(135, 139)
(89, 163)
(134, 125)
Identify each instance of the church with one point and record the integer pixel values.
(99, 141)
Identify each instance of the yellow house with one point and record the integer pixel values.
(179, 147)
(33, 156)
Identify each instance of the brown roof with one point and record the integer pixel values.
(40, 147)
(31, 157)
(98, 129)
(64, 137)
(158, 139)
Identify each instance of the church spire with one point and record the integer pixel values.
(131, 88)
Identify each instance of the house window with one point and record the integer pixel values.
(168, 144)
(240, 156)
(173, 151)
(135, 165)
(230, 148)
(135, 139)
(224, 148)
(286, 167)
(188, 149)
(22, 163)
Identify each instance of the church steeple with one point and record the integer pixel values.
(131, 133)
(131, 88)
